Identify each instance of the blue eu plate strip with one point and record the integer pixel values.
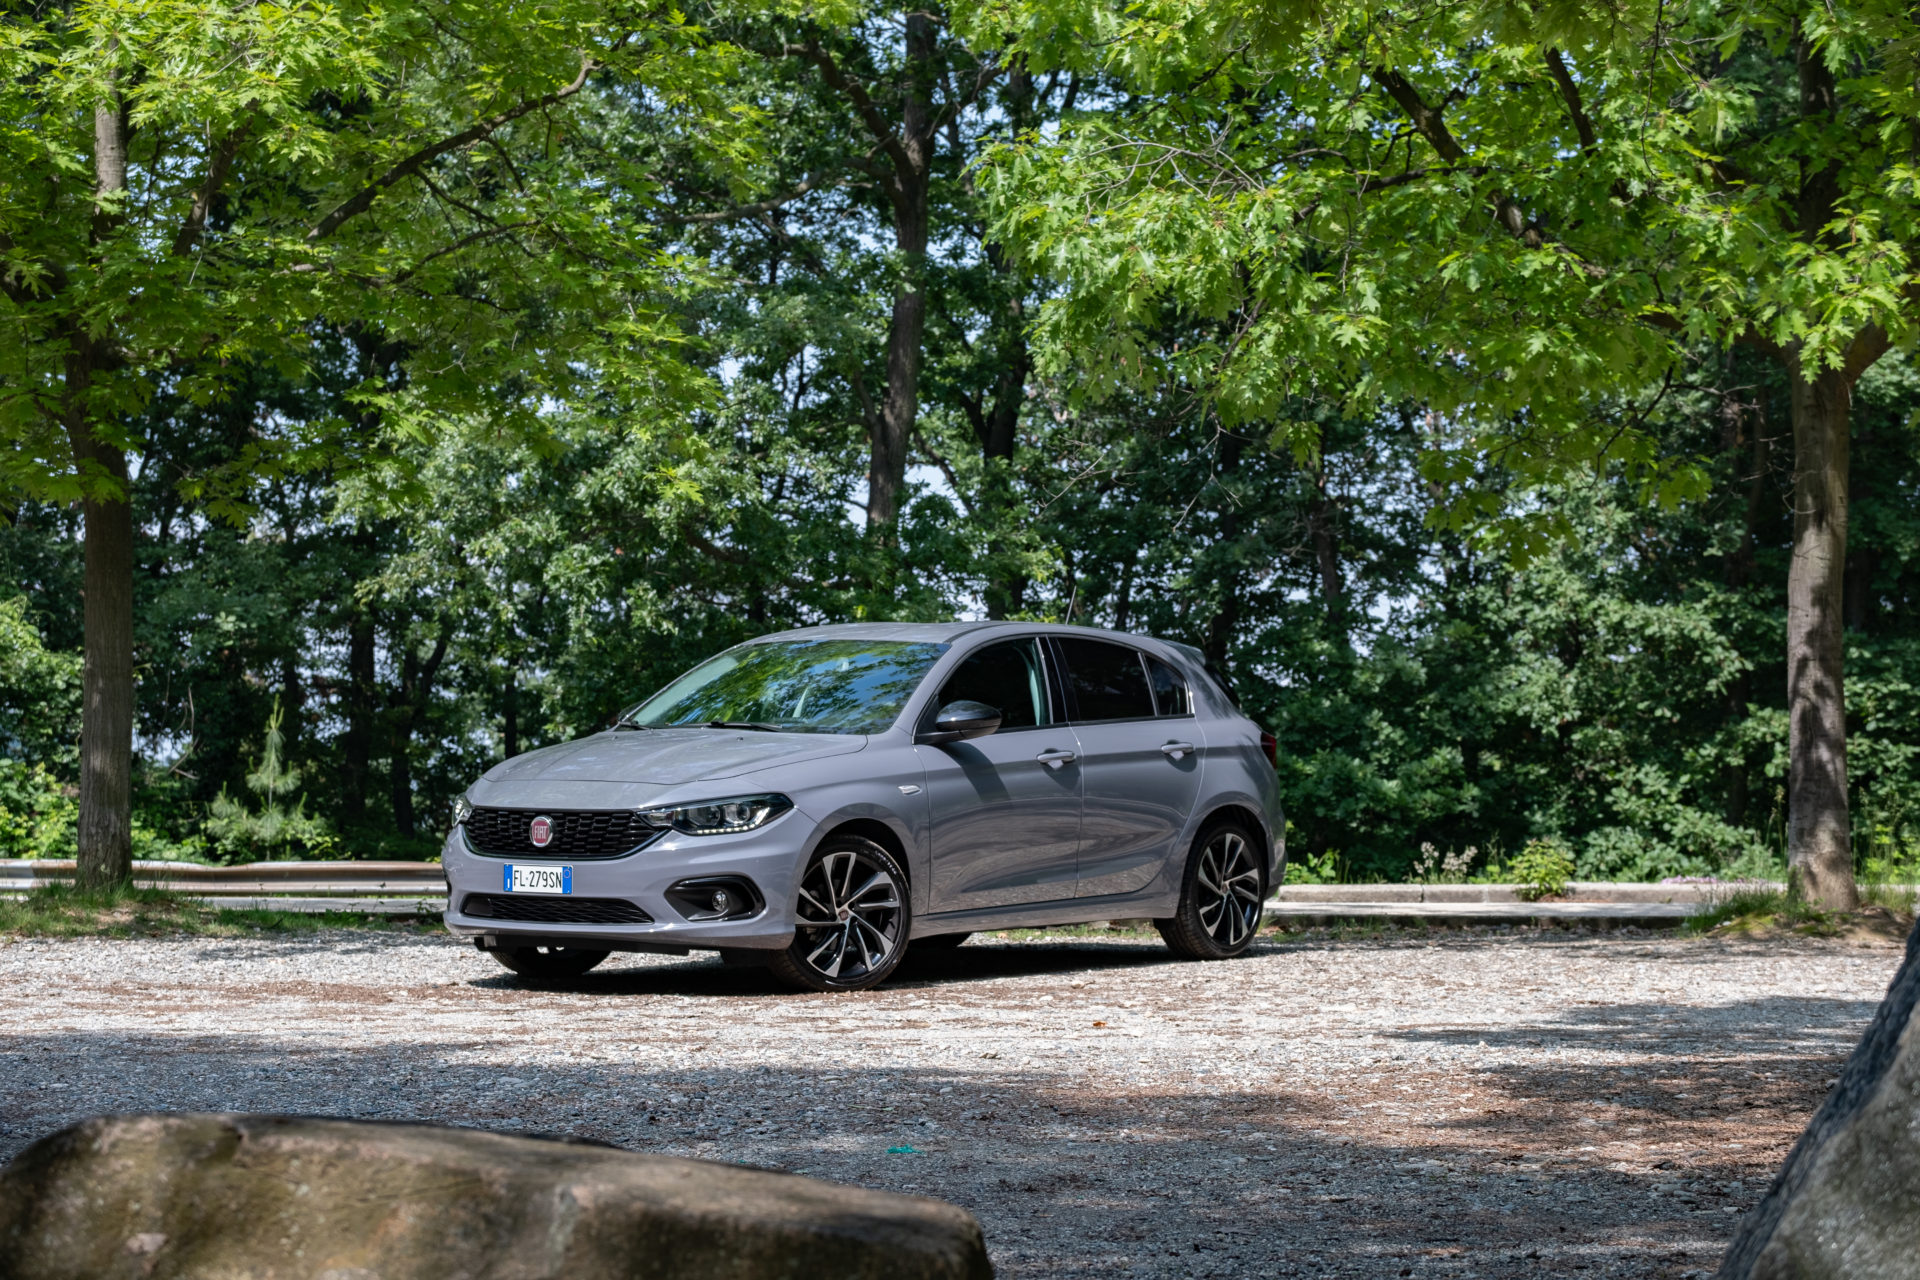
(506, 878)
(566, 879)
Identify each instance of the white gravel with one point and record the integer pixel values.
(1460, 1103)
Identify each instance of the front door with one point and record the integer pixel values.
(1006, 807)
(1140, 760)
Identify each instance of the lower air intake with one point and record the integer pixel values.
(557, 910)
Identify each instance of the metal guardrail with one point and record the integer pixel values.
(419, 888)
(1579, 891)
(305, 879)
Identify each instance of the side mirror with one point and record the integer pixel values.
(958, 721)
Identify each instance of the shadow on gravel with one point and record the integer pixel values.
(704, 975)
(1089, 1178)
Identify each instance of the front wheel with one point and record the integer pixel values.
(548, 964)
(1221, 896)
(851, 922)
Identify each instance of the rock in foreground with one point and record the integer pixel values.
(1847, 1202)
(292, 1198)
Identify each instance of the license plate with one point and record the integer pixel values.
(537, 879)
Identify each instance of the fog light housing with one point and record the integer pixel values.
(716, 898)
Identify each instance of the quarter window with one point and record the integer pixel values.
(1109, 681)
(1005, 676)
(1171, 697)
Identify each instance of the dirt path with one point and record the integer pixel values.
(1454, 1104)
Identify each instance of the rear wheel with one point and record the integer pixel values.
(1221, 896)
(548, 964)
(851, 922)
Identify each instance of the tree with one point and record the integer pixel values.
(1524, 218)
(189, 190)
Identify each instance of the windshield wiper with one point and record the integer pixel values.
(761, 725)
(625, 722)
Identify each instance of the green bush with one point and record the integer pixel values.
(38, 814)
(1541, 870)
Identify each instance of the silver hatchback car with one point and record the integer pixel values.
(818, 798)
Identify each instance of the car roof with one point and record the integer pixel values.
(948, 632)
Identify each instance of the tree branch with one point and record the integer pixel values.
(218, 163)
(1867, 346)
(1570, 94)
(1427, 121)
(856, 93)
(362, 200)
(485, 233)
(811, 183)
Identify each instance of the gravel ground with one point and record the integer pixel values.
(1455, 1103)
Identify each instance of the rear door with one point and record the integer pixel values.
(1140, 761)
(1005, 808)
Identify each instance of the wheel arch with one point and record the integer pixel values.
(1250, 818)
(870, 829)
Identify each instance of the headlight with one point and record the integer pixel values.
(462, 810)
(719, 817)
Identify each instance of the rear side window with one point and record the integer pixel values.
(1171, 697)
(1109, 681)
(1006, 676)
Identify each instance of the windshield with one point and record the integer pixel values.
(796, 686)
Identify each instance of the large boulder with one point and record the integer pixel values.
(1847, 1202)
(227, 1197)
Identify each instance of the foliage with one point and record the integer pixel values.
(1522, 215)
(442, 509)
(1541, 870)
(61, 911)
(275, 829)
(37, 812)
(390, 173)
(39, 692)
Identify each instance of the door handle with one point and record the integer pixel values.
(1054, 759)
(1174, 750)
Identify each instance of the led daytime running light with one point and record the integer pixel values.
(719, 817)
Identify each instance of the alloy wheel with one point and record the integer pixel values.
(1227, 889)
(850, 922)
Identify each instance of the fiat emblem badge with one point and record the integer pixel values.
(541, 832)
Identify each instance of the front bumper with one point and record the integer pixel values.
(770, 858)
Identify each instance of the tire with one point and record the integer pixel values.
(1221, 896)
(851, 921)
(548, 964)
(941, 941)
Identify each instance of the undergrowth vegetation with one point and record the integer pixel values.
(61, 911)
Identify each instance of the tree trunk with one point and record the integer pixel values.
(356, 744)
(410, 705)
(887, 468)
(105, 837)
(1819, 851)
(1322, 512)
(510, 711)
(1737, 573)
(104, 840)
(1226, 618)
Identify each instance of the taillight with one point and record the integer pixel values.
(1270, 747)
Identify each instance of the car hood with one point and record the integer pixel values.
(667, 756)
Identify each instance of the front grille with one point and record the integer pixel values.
(555, 910)
(577, 833)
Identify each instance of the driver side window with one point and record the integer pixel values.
(1007, 676)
